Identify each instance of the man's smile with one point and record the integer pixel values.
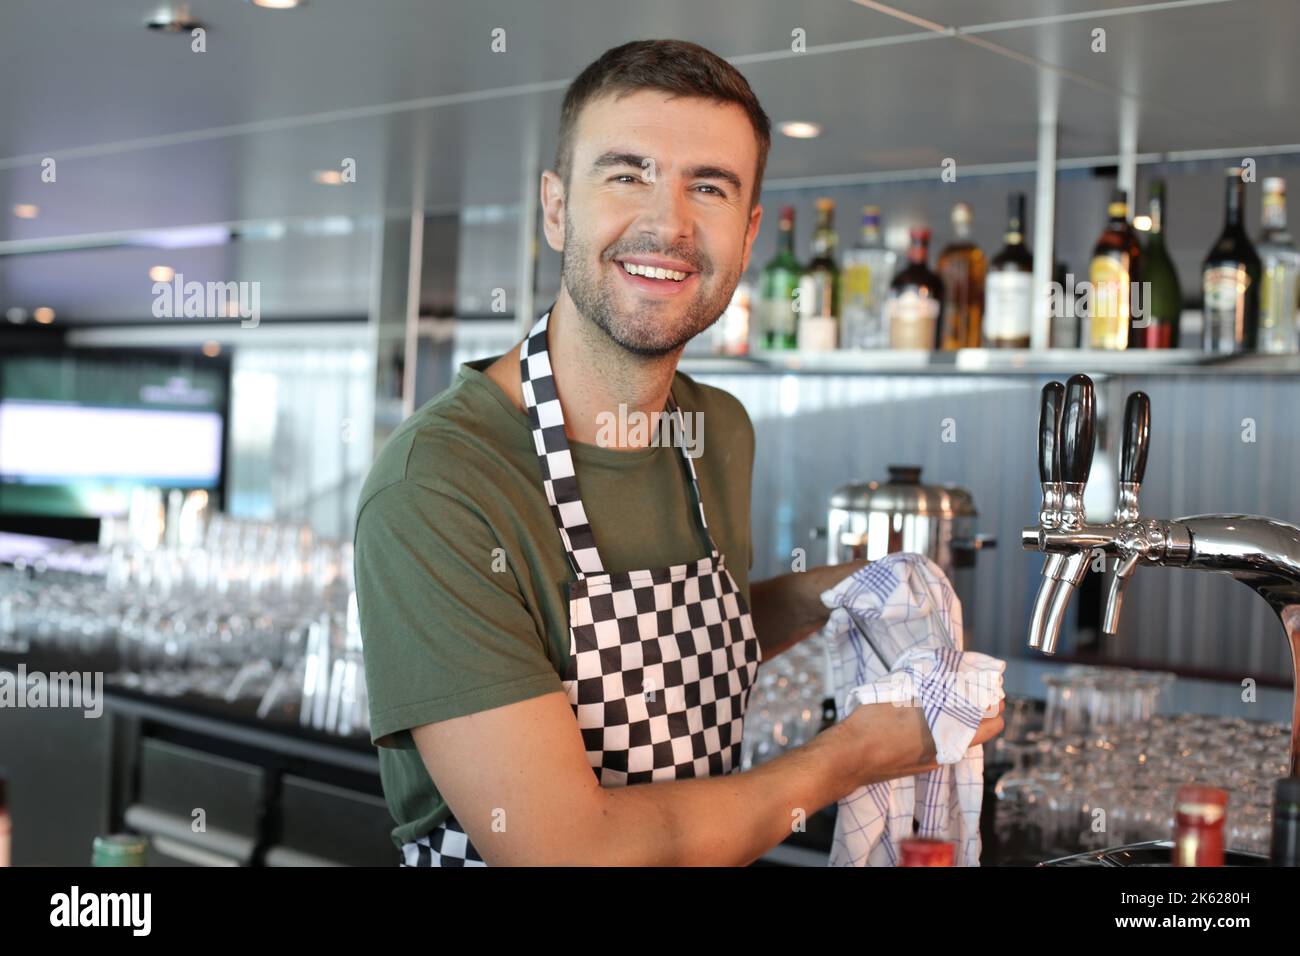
(644, 275)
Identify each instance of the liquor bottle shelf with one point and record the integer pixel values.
(996, 361)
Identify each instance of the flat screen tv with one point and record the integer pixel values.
(80, 429)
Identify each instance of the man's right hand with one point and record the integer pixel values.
(896, 740)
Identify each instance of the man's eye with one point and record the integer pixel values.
(631, 177)
(714, 188)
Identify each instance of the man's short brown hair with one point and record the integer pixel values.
(671, 66)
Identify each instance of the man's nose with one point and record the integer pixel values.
(668, 215)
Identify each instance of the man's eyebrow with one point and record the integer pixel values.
(618, 158)
(615, 158)
(716, 172)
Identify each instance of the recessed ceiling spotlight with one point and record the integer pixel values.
(27, 210)
(276, 4)
(211, 348)
(162, 273)
(173, 18)
(328, 177)
(797, 129)
(44, 315)
(16, 315)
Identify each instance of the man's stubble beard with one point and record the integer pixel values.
(642, 332)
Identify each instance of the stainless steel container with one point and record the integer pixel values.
(878, 518)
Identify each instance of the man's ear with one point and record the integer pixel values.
(755, 217)
(553, 200)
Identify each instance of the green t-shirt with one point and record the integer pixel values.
(462, 578)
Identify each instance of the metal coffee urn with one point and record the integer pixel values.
(880, 517)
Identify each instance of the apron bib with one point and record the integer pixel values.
(661, 661)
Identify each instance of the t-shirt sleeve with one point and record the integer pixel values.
(445, 629)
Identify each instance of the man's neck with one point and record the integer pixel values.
(601, 383)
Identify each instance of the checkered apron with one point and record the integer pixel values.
(661, 661)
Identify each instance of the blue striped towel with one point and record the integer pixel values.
(895, 633)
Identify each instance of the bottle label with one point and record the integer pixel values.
(1277, 301)
(912, 320)
(855, 284)
(1109, 306)
(1007, 305)
(779, 316)
(1223, 285)
(816, 334)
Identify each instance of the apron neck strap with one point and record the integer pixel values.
(559, 478)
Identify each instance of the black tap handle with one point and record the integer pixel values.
(1049, 432)
(1078, 429)
(1137, 437)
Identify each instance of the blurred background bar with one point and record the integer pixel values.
(228, 273)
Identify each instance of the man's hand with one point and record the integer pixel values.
(897, 742)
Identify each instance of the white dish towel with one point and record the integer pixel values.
(895, 636)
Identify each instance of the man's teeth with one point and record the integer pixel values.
(652, 273)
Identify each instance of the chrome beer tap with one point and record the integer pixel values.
(1132, 466)
(1262, 553)
(1049, 516)
(1075, 437)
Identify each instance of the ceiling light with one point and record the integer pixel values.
(797, 129)
(16, 315)
(173, 19)
(181, 237)
(162, 273)
(44, 315)
(276, 4)
(211, 349)
(27, 210)
(328, 177)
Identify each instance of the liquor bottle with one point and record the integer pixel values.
(1230, 278)
(6, 827)
(1279, 265)
(961, 267)
(1162, 302)
(731, 332)
(1062, 313)
(915, 299)
(819, 288)
(1199, 814)
(1115, 267)
(119, 849)
(777, 285)
(1009, 290)
(864, 287)
(1285, 850)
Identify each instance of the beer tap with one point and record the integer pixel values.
(1262, 553)
(1049, 476)
(1077, 440)
(1132, 466)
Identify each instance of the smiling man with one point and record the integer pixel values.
(560, 635)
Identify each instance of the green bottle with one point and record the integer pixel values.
(1164, 301)
(777, 285)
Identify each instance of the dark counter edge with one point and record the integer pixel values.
(221, 720)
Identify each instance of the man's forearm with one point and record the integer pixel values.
(788, 608)
(728, 820)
